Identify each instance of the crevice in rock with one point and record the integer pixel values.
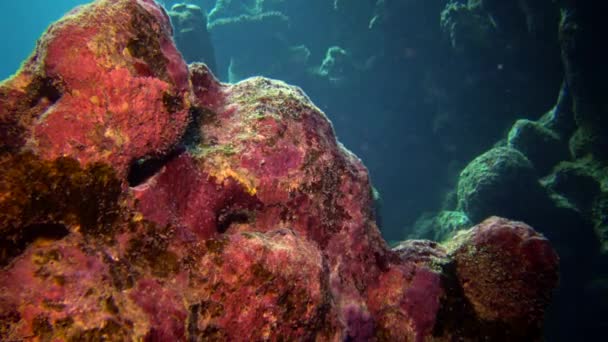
(44, 87)
(226, 219)
(192, 136)
(13, 245)
(143, 169)
(51, 231)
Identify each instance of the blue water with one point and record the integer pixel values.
(22, 24)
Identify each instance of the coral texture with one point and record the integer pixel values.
(143, 200)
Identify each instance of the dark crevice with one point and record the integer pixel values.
(226, 219)
(44, 87)
(192, 137)
(12, 246)
(173, 103)
(193, 330)
(51, 231)
(143, 169)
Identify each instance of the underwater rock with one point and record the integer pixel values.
(502, 182)
(542, 146)
(498, 260)
(251, 223)
(599, 214)
(467, 28)
(439, 226)
(584, 70)
(80, 94)
(560, 119)
(581, 185)
(191, 35)
(474, 267)
(499, 50)
(575, 181)
(588, 140)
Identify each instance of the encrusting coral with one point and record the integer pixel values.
(142, 199)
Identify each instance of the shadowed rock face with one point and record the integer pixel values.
(191, 35)
(140, 199)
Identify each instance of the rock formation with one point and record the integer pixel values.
(142, 199)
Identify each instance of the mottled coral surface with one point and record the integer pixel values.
(142, 199)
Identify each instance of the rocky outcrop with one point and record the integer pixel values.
(141, 199)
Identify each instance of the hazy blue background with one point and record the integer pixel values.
(21, 25)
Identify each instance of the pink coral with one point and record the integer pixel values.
(115, 98)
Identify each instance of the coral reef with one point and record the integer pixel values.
(142, 199)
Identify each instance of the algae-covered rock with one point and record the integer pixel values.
(542, 146)
(439, 226)
(467, 28)
(581, 185)
(584, 71)
(577, 182)
(600, 220)
(560, 119)
(501, 182)
(589, 140)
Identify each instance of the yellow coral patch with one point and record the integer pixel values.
(138, 217)
(20, 81)
(94, 100)
(4, 196)
(247, 183)
(103, 45)
(226, 172)
(117, 136)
